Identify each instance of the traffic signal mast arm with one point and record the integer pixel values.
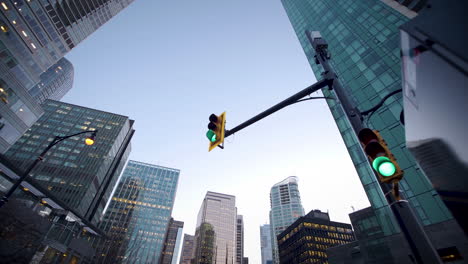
(291, 100)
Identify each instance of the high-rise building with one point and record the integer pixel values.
(187, 249)
(239, 239)
(215, 237)
(364, 42)
(265, 243)
(309, 237)
(34, 35)
(138, 215)
(55, 82)
(172, 242)
(81, 176)
(286, 207)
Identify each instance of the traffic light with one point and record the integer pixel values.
(383, 161)
(215, 132)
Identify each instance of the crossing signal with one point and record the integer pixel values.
(215, 132)
(382, 159)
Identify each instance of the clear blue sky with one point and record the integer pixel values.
(170, 64)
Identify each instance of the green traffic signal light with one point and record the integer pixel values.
(384, 166)
(211, 135)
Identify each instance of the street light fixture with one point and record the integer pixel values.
(88, 141)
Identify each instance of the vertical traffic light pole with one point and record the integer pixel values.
(412, 229)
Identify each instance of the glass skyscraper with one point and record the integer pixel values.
(265, 243)
(79, 175)
(363, 40)
(286, 207)
(34, 35)
(215, 237)
(138, 215)
(55, 82)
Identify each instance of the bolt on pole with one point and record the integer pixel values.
(419, 242)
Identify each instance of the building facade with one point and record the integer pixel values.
(364, 42)
(309, 237)
(239, 239)
(265, 243)
(286, 207)
(81, 176)
(215, 237)
(138, 216)
(373, 246)
(54, 83)
(172, 242)
(35, 35)
(188, 247)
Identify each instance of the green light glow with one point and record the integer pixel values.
(211, 135)
(384, 166)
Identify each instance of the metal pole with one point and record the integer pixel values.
(419, 242)
(25, 174)
(288, 101)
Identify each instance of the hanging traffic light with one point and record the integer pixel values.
(383, 161)
(215, 132)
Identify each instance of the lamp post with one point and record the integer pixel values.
(88, 141)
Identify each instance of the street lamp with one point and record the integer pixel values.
(88, 141)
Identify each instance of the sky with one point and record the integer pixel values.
(169, 64)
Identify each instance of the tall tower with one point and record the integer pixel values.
(34, 35)
(286, 207)
(215, 237)
(187, 249)
(55, 82)
(172, 242)
(265, 243)
(239, 239)
(81, 176)
(364, 42)
(138, 216)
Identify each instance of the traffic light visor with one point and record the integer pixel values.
(384, 166)
(366, 135)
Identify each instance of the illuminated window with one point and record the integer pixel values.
(4, 28)
(4, 6)
(32, 45)
(24, 33)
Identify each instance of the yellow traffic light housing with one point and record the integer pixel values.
(382, 159)
(215, 132)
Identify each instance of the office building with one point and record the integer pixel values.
(215, 236)
(265, 243)
(286, 207)
(239, 239)
(364, 43)
(309, 237)
(35, 35)
(368, 231)
(172, 242)
(187, 249)
(138, 215)
(36, 227)
(54, 83)
(245, 260)
(81, 176)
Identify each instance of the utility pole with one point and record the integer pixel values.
(419, 242)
